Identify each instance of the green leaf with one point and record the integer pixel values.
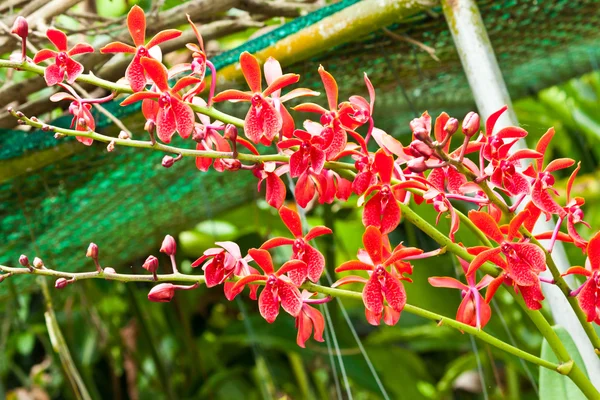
(554, 386)
(25, 342)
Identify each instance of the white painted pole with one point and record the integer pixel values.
(489, 90)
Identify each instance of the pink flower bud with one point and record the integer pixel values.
(162, 293)
(61, 283)
(109, 270)
(111, 146)
(417, 165)
(451, 126)
(20, 27)
(23, 260)
(420, 149)
(149, 126)
(92, 251)
(169, 247)
(151, 264)
(168, 161)
(471, 124)
(38, 263)
(231, 132)
(124, 135)
(421, 134)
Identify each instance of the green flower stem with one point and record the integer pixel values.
(117, 88)
(171, 149)
(333, 292)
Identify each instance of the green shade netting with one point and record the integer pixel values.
(126, 201)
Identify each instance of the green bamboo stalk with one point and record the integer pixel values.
(60, 346)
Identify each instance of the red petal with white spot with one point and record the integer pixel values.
(136, 23)
(331, 88)
(487, 225)
(163, 36)
(135, 75)
(315, 263)
(530, 262)
(394, 293)
(184, 117)
(291, 299)
(251, 71)
(275, 193)
(53, 75)
(385, 166)
(542, 199)
(213, 274)
(305, 190)
(165, 124)
(268, 304)
(117, 47)
(74, 69)
(264, 121)
(372, 296)
(532, 295)
(593, 252)
(263, 259)
(58, 38)
(43, 55)
(292, 221)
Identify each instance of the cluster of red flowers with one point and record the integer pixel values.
(427, 170)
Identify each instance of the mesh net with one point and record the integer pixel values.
(54, 202)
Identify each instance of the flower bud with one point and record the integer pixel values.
(417, 165)
(451, 126)
(59, 136)
(61, 283)
(162, 293)
(111, 146)
(420, 149)
(471, 124)
(124, 135)
(231, 132)
(20, 27)
(92, 251)
(169, 247)
(168, 161)
(109, 270)
(151, 264)
(233, 165)
(149, 126)
(421, 134)
(46, 128)
(38, 263)
(23, 260)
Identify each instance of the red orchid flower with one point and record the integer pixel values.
(278, 287)
(310, 319)
(473, 309)
(207, 137)
(382, 210)
(173, 113)
(63, 63)
(505, 175)
(83, 120)
(333, 133)
(532, 294)
(263, 120)
(220, 263)
(544, 179)
(270, 172)
(524, 261)
(381, 283)
(301, 250)
(588, 294)
(357, 111)
(309, 153)
(136, 23)
(574, 212)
